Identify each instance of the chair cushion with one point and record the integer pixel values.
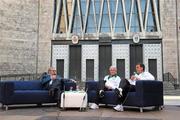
(110, 97)
(28, 85)
(132, 99)
(92, 96)
(31, 96)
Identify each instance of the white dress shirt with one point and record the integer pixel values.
(142, 76)
(112, 82)
(50, 83)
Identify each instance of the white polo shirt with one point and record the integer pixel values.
(113, 82)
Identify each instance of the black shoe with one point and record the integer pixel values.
(101, 93)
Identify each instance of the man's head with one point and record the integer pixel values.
(52, 71)
(140, 68)
(112, 70)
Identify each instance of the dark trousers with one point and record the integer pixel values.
(56, 94)
(132, 88)
(55, 89)
(124, 84)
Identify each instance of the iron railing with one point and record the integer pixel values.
(170, 78)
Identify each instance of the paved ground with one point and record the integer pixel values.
(170, 111)
(172, 100)
(43, 113)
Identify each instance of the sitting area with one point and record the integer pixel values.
(148, 93)
(26, 92)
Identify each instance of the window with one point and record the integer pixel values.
(119, 26)
(105, 24)
(77, 21)
(135, 24)
(115, 19)
(151, 24)
(128, 9)
(91, 25)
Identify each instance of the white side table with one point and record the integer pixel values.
(74, 99)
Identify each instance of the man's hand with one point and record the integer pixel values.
(73, 80)
(138, 78)
(108, 87)
(133, 77)
(53, 77)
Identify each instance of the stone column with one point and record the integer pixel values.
(45, 35)
(168, 23)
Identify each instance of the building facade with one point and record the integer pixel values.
(36, 34)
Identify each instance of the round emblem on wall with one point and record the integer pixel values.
(136, 38)
(75, 39)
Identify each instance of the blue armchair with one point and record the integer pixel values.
(148, 93)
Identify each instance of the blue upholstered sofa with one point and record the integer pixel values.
(148, 93)
(26, 92)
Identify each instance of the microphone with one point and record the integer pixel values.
(135, 74)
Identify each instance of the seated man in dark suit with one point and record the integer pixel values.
(115, 83)
(54, 83)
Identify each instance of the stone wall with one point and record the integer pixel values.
(26, 33)
(178, 30)
(169, 31)
(25, 36)
(18, 36)
(45, 34)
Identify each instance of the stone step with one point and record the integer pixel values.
(169, 89)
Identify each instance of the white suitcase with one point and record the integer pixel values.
(74, 99)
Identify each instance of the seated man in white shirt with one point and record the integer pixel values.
(140, 74)
(115, 83)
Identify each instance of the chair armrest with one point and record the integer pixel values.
(150, 91)
(149, 86)
(6, 89)
(92, 85)
(69, 84)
